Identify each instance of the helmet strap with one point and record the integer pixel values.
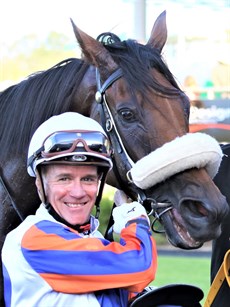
(99, 195)
(84, 228)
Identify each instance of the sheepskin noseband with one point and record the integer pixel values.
(197, 150)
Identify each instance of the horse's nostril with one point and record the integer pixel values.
(201, 209)
(196, 208)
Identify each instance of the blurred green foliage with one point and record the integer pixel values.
(29, 55)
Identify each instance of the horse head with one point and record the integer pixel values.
(143, 110)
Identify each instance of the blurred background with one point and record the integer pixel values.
(36, 35)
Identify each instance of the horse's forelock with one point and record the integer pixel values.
(136, 60)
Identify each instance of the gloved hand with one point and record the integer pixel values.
(125, 213)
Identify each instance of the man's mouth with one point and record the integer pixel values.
(70, 205)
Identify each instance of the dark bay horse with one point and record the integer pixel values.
(222, 244)
(142, 108)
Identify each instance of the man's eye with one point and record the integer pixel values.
(63, 179)
(90, 179)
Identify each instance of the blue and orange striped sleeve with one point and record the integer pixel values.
(73, 264)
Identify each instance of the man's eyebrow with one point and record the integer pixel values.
(63, 174)
(70, 174)
(90, 175)
(60, 175)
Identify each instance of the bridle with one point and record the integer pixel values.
(109, 126)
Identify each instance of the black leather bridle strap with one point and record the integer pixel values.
(109, 126)
(11, 199)
(112, 78)
(108, 123)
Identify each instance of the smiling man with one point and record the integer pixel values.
(57, 257)
(71, 191)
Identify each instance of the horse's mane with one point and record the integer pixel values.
(24, 106)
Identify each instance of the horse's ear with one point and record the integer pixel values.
(158, 35)
(94, 52)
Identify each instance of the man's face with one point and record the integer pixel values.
(71, 190)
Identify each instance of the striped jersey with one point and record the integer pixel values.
(46, 264)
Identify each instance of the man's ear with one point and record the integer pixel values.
(38, 185)
(40, 188)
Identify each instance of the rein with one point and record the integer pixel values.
(11, 199)
(109, 126)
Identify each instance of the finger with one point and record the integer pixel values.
(120, 198)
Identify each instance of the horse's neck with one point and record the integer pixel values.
(83, 101)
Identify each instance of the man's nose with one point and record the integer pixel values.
(77, 189)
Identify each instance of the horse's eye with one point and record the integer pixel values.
(127, 115)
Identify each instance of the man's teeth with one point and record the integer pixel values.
(74, 205)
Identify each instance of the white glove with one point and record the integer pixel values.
(120, 198)
(125, 213)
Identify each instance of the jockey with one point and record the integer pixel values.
(57, 257)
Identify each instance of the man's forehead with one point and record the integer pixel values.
(70, 169)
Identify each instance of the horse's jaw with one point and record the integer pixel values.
(176, 232)
(197, 208)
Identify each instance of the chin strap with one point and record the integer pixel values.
(84, 228)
